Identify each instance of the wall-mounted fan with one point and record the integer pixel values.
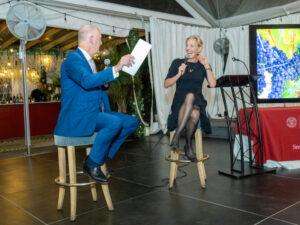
(221, 46)
(26, 22)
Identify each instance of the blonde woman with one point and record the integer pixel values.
(188, 103)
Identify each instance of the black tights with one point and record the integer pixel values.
(188, 118)
(191, 126)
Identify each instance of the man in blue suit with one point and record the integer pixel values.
(82, 101)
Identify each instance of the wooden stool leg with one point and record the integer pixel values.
(62, 176)
(72, 172)
(176, 157)
(105, 190)
(93, 186)
(199, 154)
(173, 165)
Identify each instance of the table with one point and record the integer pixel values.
(280, 128)
(43, 117)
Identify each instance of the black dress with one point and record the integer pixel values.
(190, 82)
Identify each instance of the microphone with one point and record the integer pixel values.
(106, 63)
(186, 57)
(238, 60)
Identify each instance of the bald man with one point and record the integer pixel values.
(81, 103)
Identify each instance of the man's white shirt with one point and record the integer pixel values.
(92, 63)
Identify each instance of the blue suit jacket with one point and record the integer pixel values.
(81, 100)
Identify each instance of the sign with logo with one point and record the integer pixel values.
(291, 122)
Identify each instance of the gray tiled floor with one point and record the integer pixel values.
(140, 193)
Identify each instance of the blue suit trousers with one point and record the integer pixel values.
(113, 128)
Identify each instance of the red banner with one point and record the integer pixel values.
(280, 128)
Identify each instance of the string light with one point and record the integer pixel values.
(77, 17)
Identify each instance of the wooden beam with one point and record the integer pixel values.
(75, 43)
(48, 33)
(60, 40)
(3, 27)
(114, 42)
(107, 39)
(68, 46)
(10, 41)
(118, 41)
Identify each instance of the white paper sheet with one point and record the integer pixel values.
(140, 51)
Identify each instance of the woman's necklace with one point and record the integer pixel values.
(191, 69)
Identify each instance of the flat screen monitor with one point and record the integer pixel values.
(275, 54)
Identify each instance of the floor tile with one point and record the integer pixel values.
(164, 208)
(12, 215)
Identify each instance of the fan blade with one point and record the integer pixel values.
(21, 11)
(21, 29)
(12, 17)
(37, 22)
(33, 33)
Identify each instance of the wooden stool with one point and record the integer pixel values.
(175, 159)
(61, 180)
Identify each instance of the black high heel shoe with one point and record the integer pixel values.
(174, 143)
(190, 154)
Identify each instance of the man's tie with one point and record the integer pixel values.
(93, 65)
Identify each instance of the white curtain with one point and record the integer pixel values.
(239, 48)
(168, 40)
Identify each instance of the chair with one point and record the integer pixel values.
(174, 158)
(70, 143)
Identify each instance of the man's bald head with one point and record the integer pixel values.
(89, 38)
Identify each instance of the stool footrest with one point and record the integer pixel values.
(205, 157)
(56, 180)
(168, 158)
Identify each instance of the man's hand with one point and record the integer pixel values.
(126, 60)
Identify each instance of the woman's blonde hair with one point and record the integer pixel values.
(196, 38)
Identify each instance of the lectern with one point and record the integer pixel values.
(247, 160)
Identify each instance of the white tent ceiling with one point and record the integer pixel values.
(119, 17)
(219, 13)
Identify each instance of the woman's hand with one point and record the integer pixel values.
(170, 81)
(181, 69)
(203, 60)
(210, 76)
